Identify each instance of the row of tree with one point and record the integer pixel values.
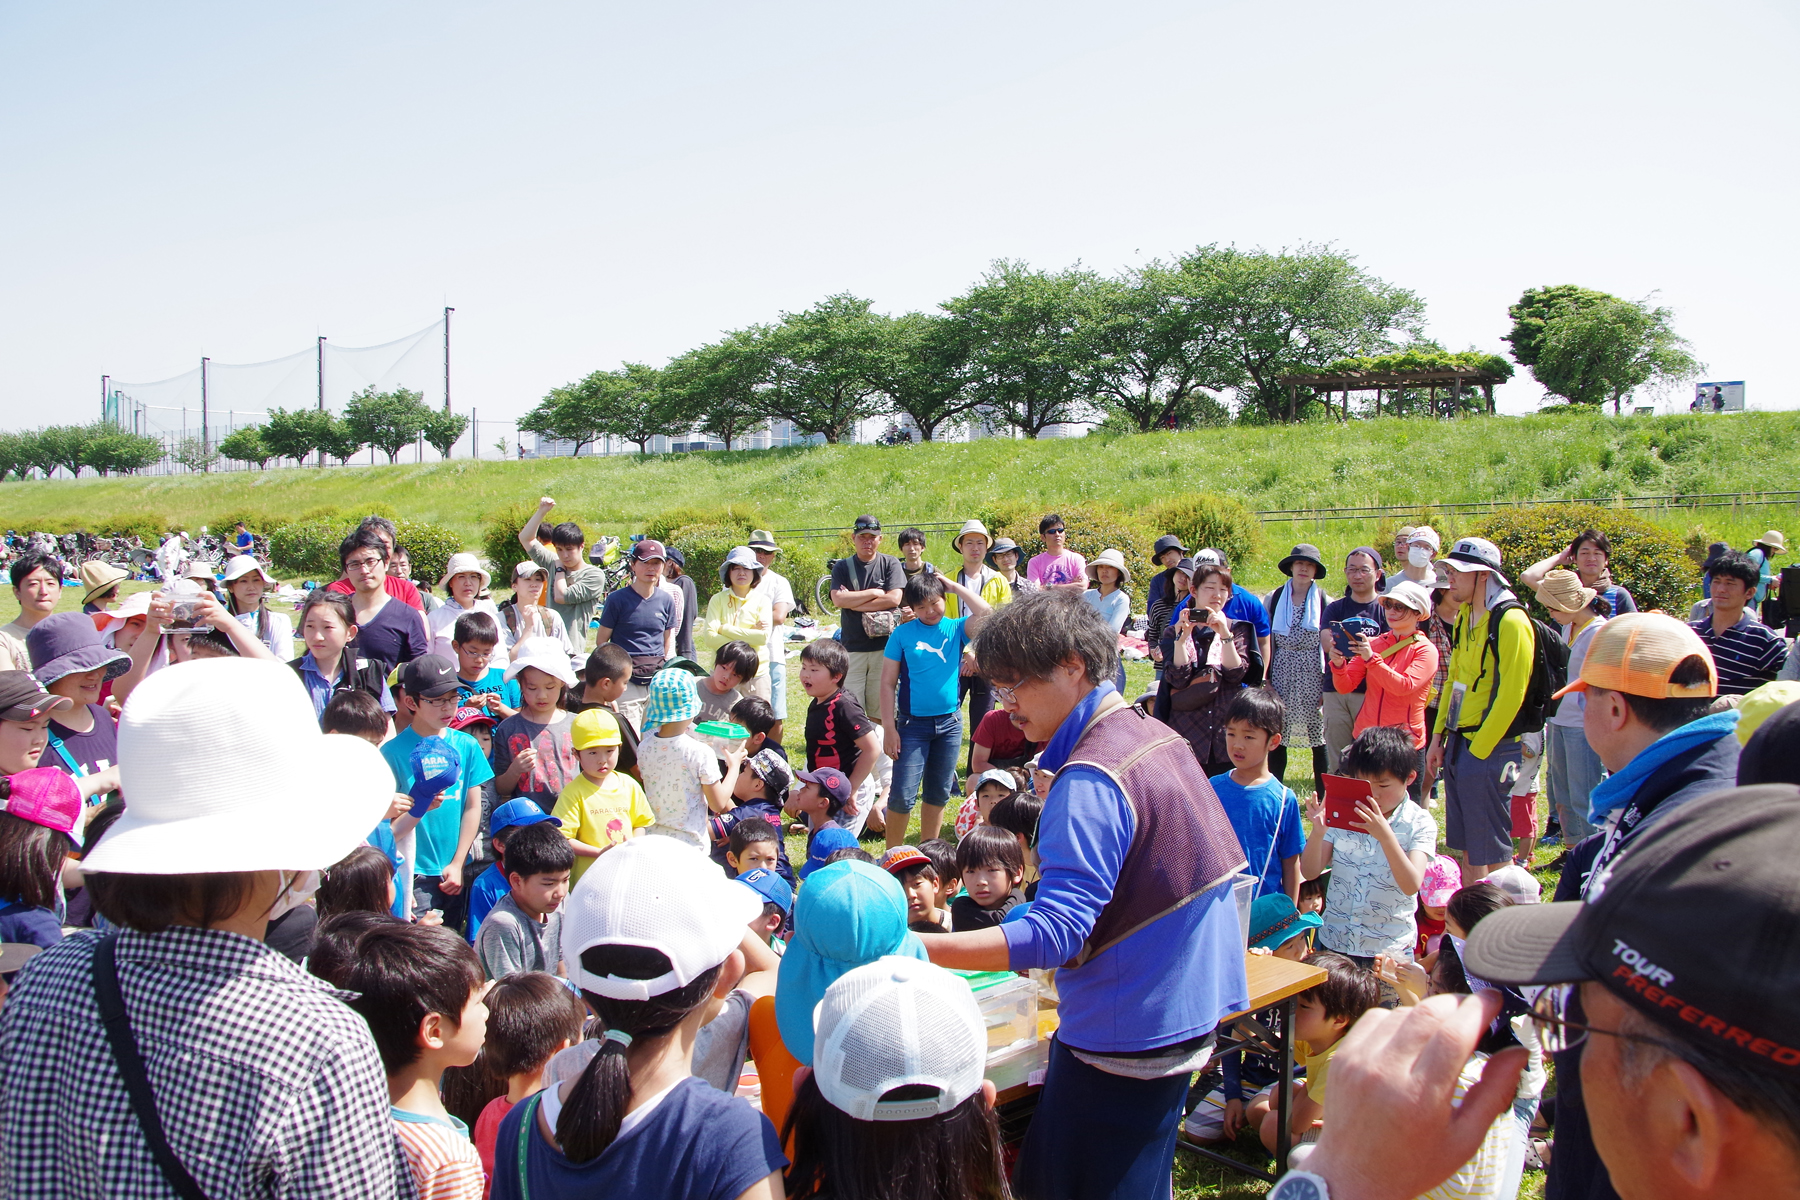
(101, 447)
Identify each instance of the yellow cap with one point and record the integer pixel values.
(1762, 703)
(1636, 653)
(595, 727)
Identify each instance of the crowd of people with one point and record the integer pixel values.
(492, 894)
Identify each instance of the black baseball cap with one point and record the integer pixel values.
(1693, 926)
(866, 523)
(21, 699)
(429, 675)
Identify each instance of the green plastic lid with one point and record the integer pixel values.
(981, 981)
(722, 729)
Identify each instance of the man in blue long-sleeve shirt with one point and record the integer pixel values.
(1134, 903)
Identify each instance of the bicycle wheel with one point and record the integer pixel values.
(822, 596)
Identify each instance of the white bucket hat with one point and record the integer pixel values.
(1412, 595)
(968, 528)
(898, 1022)
(660, 894)
(464, 563)
(547, 655)
(1109, 557)
(319, 795)
(242, 565)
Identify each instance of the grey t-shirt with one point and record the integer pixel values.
(511, 939)
(583, 590)
(883, 571)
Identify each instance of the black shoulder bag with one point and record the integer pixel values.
(131, 1069)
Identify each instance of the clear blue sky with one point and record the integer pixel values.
(590, 183)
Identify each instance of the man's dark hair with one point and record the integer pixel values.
(1018, 813)
(848, 854)
(920, 589)
(1736, 565)
(402, 973)
(989, 846)
(30, 561)
(356, 713)
(910, 535)
(473, 627)
(361, 538)
(830, 654)
(1381, 750)
(210, 643)
(567, 533)
(538, 849)
(1259, 708)
(610, 661)
(1031, 637)
(333, 950)
(152, 903)
(942, 855)
(748, 832)
(1469, 904)
(375, 524)
(1051, 521)
(755, 714)
(1348, 991)
(530, 1015)
(1663, 713)
(1602, 543)
(741, 657)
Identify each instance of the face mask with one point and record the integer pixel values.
(1418, 556)
(297, 887)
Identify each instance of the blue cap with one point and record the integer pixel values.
(523, 811)
(770, 886)
(1274, 920)
(435, 766)
(825, 843)
(848, 915)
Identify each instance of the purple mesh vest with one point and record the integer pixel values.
(1183, 845)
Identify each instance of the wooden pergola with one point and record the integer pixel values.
(1326, 386)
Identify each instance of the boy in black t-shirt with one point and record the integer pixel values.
(992, 867)
(838, 733)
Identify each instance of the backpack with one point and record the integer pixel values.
(1549, 669)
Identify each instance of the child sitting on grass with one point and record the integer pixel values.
(1376, 869)
(1263, 811)
(838, 733)
(604, 678)
(1323, 1014)
(420, 989)
(985, 790)
(761, 790)
(524, 930)
(600, 808)
(531, 1016)
(682, 779)
(478, 683)
(924, 888)
(991, 865)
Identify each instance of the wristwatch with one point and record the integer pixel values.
(1300, 1185)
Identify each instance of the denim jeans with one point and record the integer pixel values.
(928, 747)
(1574, 771)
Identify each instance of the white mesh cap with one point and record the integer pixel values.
(892, 1023)
(661, 894)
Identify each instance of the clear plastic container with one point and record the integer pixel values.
(722, 736)
(1009, 1007)
(1243, 890)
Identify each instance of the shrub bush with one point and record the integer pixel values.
(705, 548)
(500, 540)
(1649, 561)
(430, 547)
(1200, 520)
(741, 517)
(224, 524)
(1092, 528)
(803, 563)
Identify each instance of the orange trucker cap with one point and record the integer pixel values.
(1636, 653)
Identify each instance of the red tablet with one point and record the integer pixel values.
(1341, 795)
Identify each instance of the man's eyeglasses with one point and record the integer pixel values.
(1557, 1032)
(363, 564)
(1005, 695)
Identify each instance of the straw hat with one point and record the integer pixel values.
(968, 528)
(1563, 591)
(1109, 557)
(97, 577)
(1774, 541)
(464, 563)
(316, 798)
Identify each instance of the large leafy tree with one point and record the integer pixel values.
(1159, 340)
(1593, 353)
(62, 446)
(15, 454)
(1535, 309)
(573, 414)
(923, 364)
(443, 428)
(389, 421)
(1293, 312)
(340, 439)
(111, 449)
(820, 364)
(721, 384)
(635, 406)
(1032, 334)
(247, 445)
(298, 434)
(195, 454)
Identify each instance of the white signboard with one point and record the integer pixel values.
(1718, 397)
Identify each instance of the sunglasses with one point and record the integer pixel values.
(1057, 532)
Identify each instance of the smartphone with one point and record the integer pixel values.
(1341, 795)
(1340, 638)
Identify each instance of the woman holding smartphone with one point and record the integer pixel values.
(1205, 657)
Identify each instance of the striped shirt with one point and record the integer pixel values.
(1482, 1176)
(1747, 655)
(444, 1162)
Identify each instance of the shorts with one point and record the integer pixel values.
(1477, 806)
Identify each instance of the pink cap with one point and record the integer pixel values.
(46, 796)
(1443, 879)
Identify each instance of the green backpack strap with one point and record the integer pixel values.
(527, 1122)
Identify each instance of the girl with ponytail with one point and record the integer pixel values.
(653, 937)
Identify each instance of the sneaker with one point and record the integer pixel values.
(1550, 841)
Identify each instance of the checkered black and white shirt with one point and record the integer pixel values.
(267, 1084)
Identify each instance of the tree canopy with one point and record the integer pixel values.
(1589, 347)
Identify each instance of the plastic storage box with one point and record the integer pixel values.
(1009, 1006)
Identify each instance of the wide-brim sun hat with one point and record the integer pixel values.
(740, 556)
(673, 697)
(1411, 595)
(64, 644)
(1304, 552)
(661, 894)
(849, 914)
(1166, 543)
(969, 527)
(762, 539)
(1109, 557)
(242, 565)
(1002, 546)
(464, 563)
(135, 605)
(894, 1023)
(97, 577)
(199, 568)
(1563, 591)
(547, 655)
(1774, 541)
(317, 797)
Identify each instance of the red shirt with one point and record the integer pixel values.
(400, 589)
(1002, 738)
(487, 1132)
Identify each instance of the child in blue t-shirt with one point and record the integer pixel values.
(1264, 812)
(477, 684)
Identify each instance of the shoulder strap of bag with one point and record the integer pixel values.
(131, 1069)
(62, 752)
(527, 1121)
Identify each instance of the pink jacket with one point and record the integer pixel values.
(1398, 684)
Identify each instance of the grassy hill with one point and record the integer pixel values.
(1396, 463)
